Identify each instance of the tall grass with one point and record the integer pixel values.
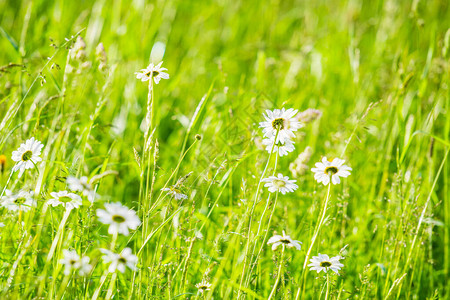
(377, 70)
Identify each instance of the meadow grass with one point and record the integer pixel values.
(377, 70)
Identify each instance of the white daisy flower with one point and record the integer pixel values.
(22, 201)
(66, 199)
(203, 286)
(323, 262)
(280, 184)
(27, 156)
(334, 169)
(282, 148)
(285, 240)
(72, 261)
(152, 71)
(82, 185)
(120, 218)
(174, 192)
(282, 120)
(120, 261)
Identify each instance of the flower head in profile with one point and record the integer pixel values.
(27, 156)
(325, 170)
(280, 120)
(119, 261)
(282, 148)
(285, 240)
(152, 71)
(119, 217)
(83, 186)
(73, 262)
(280, 184)
(66, 199)
(22, 201)
(324, 263)
(203, 286)
(175, 192)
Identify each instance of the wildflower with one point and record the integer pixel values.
(152, 71)
(285, 240)
(72, 261)
(203, 286)
(2, 163)
(280, 120)
(280, 184)
(324, 263)
(66, 199)
(78, 52)
(120, 261)
(102, 59)
(174, 192)
(282, 148)
(22, 201)
(334, 169)
(120, 218)
(27, 155)
(299, 165)
(82, 185)
(308, 115)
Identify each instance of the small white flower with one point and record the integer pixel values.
(280, 184)
(2, 224)
(203, 286)
(323, 262)
(285, 240)
(22, 201)
(119, 261)
(334, 169)
(120, 218)
(152, 71)
(72, 261)
(282, 148)
(66, 199)
(174, 192)
(27, 156)
(82, 185)
(280, 120)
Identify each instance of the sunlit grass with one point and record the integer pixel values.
(378, 72)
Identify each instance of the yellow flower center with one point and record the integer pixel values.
(331, 170)
(325, 264)
(65, 199)
(27, 155)
(19, 201)
(279, 183)
(278, 124)
(152, 74)
(118, 219)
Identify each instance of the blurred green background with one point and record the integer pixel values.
(335, 56)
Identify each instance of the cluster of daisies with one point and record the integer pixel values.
(279, 130)
(119, 217)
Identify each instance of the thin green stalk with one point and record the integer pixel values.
(280, 267)
(316, 233)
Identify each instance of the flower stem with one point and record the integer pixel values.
(278, 275)
(316, 233)
(251, 214)
(328, 285)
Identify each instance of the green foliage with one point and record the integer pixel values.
(377, 70)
